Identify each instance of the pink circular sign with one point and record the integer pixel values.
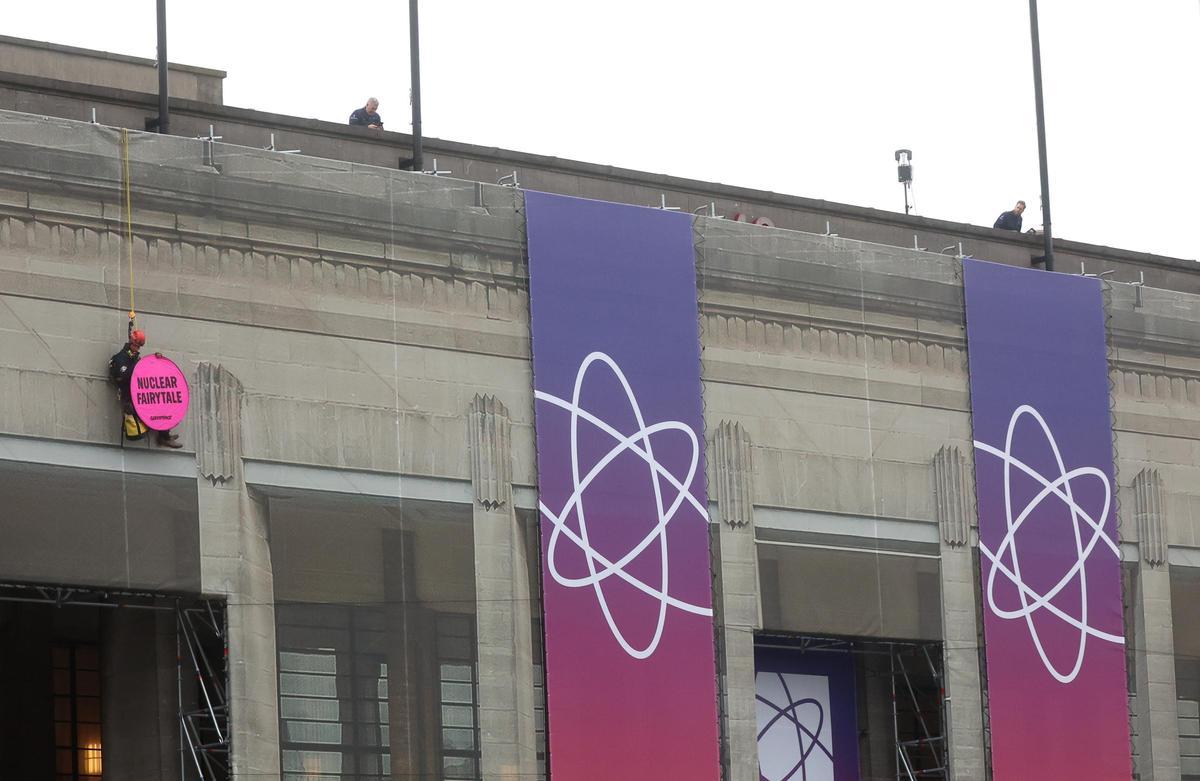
(160, 392)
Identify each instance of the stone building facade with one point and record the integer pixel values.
(356, 494)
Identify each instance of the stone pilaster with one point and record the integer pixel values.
(1153, 637)
(1148, 511)
(235, 562)
(952, 494)
(954, 504)
(734, 483)
(503, 621)
(216, 405)
(491, 451)
(738, 611)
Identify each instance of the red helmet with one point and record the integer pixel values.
(138, 337)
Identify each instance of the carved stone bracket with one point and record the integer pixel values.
(952, 495)
(491, 451)
(218, 409)
(1151, 522)
(732, 459)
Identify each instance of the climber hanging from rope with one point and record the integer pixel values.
(120, 369)
(121, 365)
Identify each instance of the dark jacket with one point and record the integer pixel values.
(1009, 221)
(364, 118)
(120, 370)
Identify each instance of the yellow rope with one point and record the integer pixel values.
(128, 217)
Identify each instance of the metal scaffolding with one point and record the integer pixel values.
(918, 713)
(201, 652)
(917, 695)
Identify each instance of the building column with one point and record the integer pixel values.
(1153, 636)
(954, 506)
(503, 621)
(140, 718)
(235, 562)
(738, 611)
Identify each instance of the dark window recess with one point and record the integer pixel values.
(333, 694)
(76, 685)
(459, 696)
(539, 696)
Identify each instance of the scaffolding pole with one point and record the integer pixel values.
(204, 730)
(909, 766)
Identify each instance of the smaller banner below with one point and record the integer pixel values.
(807, 717)
(1048, 554)
(160, 392)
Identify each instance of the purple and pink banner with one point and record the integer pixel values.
(1049, 557)
(626, 584)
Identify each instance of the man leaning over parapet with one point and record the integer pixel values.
(367, 116)
(1011, 220)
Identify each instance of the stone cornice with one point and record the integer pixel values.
(320, 262)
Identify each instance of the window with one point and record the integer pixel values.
(78, 750)
(333, 696)
(459, 696)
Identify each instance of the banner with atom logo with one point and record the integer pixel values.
(626, 577)
(807, 716)
(1048, 548)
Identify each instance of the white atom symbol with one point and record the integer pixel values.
(639, 444)
(794, 729)
(1060, 488)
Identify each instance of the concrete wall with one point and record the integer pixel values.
(362, 312)
(92, 68)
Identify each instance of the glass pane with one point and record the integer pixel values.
(292, 661)
(88, 709)
(62, 761)
(312, 761)
(90, 760)
(315, 710)
(60, 657)
(458, 716)
(89, 734)
(457, 672)
(62, 734)
(87, 682)
(62, 709)
(459, 767)
(458, 739)
(312, 732)
(62, 681)
(458, 692)
(308, 685)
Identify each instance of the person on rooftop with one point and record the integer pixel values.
(1011, 221)
(367, 116)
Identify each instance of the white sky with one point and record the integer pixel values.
(804, 97)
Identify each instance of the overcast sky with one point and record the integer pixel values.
(801, 97)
